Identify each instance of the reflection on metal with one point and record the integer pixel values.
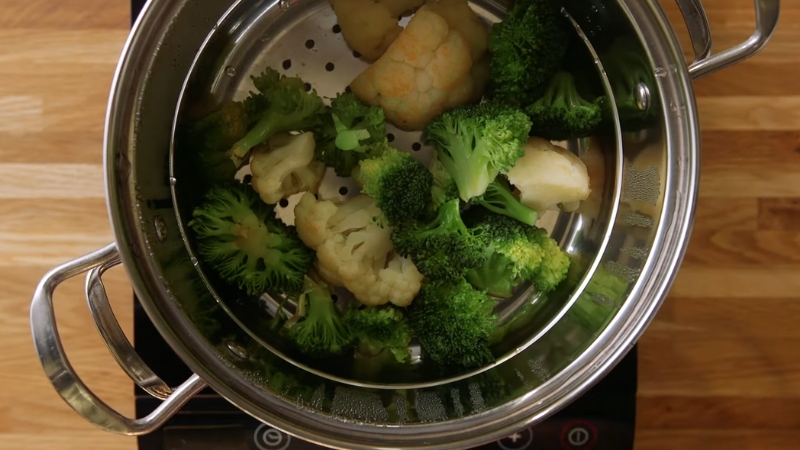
(63, 377)
(767, 13)
(642, 95)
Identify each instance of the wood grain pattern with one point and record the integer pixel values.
(719, 366)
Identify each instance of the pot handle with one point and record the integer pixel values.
(60, 372)
(767, 12)
(113, 336)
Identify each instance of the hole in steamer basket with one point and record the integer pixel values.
(523, 313)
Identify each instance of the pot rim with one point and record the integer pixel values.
(597, 360)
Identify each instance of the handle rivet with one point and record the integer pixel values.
(642, 96)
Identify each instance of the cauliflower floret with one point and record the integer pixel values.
(354, 250)
(369, 27)
(285, 167)
(425, 71)
(311, 220)
(462, 18)
(548, 175)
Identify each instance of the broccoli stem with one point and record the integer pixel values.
(349, 139)
(499, 199)
(495, 276)
(267, 126)
(472, 173)
(253, 239)
(321, 332)
(449, 218)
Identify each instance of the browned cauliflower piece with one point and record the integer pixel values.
(425, 71)
(462, 18)
(370, 26)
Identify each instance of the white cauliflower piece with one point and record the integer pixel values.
(548, 176)
(311, 220)
(354, 250)
(285, 167)
(425, 71)
(370, 26)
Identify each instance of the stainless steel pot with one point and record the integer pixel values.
(634, 232)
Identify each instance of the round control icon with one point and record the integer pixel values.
(268, 438)
(517, 441)
(579, 435)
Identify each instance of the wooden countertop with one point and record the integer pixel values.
(719, 367)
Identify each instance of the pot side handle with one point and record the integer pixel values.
(113, 336)
(767, 13)
(60, 372)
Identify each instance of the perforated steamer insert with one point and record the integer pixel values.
(302, 38)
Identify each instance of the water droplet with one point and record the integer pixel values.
(673, 106)
(161, 228)
(265, 38)
(285, 5)
(194, 261)
(236, 349)
(173, 181)
(230, 71)
(661, 72)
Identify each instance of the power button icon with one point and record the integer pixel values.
(578, 435)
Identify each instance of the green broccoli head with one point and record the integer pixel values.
(444, 248)
(239, 236)
(378, 329)
(555, 262)
(561, 113)
(351, 132)
(444, 187)
(516, 253)
(320, 330)
(399, 183)
(477, 142)
(527, 47)
(453, 322)
(288, 107)
(499, 199)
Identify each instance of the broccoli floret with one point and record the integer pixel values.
(351, 132)
(561, 113)
(239, 236)
(516, 253)
(555, 262)
(453, 322)
(444, 248)
(477, 142)
(627, 67)
(319, 331)
(399, 183)
(444, 187)
(527, 47)
(498, 198)
(379, 328)
(290, 108)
